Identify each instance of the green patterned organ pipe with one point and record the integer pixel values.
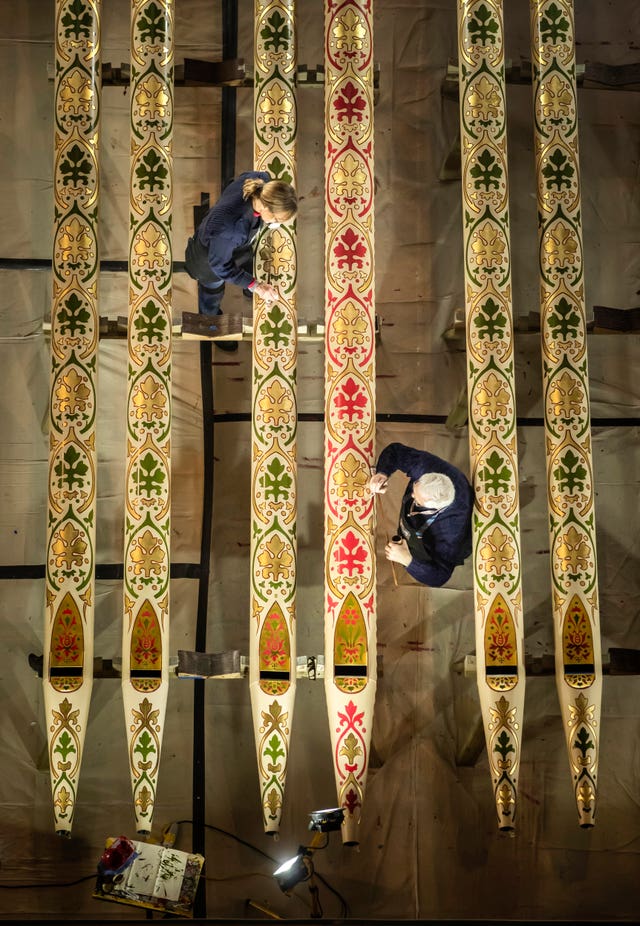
(491, 392)
(272, 657)
(145, 637)
(70, 564)
(350, 574)
(566, 395)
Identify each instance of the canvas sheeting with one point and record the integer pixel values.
(429, 844)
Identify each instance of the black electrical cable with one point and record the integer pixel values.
(227, 170)
(19, 887)
(249, 845)
(243, 842)
(344, 906)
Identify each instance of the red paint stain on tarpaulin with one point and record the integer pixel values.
(417, 646)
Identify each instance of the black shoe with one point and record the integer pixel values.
(248, 293)
(229, 346)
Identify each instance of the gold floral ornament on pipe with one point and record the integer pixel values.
(491, 390)
(145, 631)
(71, 508)
(350, 577)
(570, 487)
(272, 655)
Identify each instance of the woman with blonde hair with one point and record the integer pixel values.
(221, 250)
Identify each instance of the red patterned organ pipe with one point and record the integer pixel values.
(350, 574)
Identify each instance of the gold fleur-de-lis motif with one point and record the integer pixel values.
(349, 31)
(65, 716)
(63, 800)
(72, 393)
(581, 711)
(497, 552)
(273, 802)
(76, 93)
(147, 715)
(148, 555)
(276, 105)
(488, 246)
(560, 245)
(586, 793)
(484, 99)
(502, 715)
(76, 241)
(492, 398)
(144, 799)
(152, 98)
(149, 399)
(276, 405)
(349, 177)
(277, 254)
(276, 561)
(350, 327)
(151, 246)
(275, 719)
(573, 551)
(68, 546)
(505, 797)
(351, 478)
(567, 395)
(351, 748)
(555, 98)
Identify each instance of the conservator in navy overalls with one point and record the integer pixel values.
(435, 516)
(220, 251)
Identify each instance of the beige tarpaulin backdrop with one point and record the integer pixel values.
(429, 842)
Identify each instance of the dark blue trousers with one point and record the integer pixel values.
(210, 286)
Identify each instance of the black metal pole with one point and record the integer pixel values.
(227, 171)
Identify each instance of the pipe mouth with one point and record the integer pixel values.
(64, 834)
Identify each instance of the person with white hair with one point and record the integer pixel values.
(434, 528)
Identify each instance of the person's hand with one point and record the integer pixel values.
(266, 291)
(398, 552)
(378, 483)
